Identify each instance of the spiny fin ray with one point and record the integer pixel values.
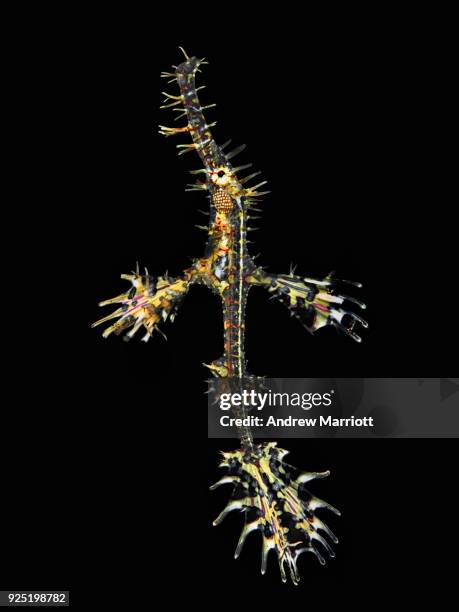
(268, 491)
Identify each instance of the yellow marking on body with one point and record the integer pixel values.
(270, 510)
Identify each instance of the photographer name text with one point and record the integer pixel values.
(321, 421)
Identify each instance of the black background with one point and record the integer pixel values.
(101, 486)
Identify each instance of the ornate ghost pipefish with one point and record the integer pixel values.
(269, 491)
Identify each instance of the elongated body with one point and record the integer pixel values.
(265, 487)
